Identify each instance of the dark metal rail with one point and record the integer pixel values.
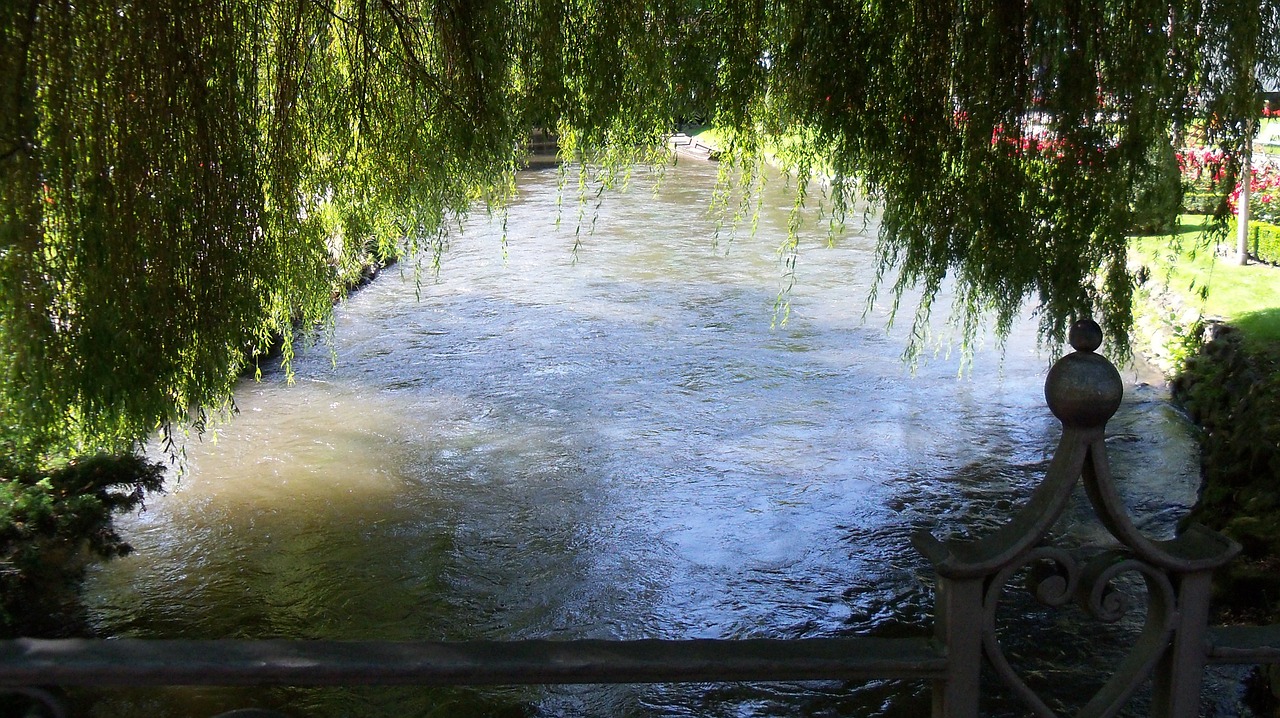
(145, 662)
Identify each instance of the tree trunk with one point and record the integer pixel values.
(1242, 206)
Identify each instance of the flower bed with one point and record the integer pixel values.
(1264, 195)
(1203, 172)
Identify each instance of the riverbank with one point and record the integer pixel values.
(346, 281)
(705, 142)
(1214, 329)
(1229, 384)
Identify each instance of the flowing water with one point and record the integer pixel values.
(601, 434)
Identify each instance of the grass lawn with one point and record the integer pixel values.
(1247, 297)
(708, 135)
(771, 146)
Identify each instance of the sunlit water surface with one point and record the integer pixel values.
(616, 441)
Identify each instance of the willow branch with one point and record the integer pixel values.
(416, 67)
(23, 143)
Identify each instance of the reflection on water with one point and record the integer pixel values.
(611, 442)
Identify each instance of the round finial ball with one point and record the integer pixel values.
(1085, 335)
(1083, 389)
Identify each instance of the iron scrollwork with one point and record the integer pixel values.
(1089, 585)
(1083, 390)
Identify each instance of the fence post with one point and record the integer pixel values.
(1083, 390)
(958, 626)
(1178, 677)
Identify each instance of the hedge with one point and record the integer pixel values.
(1201, 201)
(1264, 241)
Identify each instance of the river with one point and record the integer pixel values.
(613, 440)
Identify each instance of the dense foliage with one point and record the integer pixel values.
(1233, 393)
(51, 522)
(181, 179)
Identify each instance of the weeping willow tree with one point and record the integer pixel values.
(181, 180)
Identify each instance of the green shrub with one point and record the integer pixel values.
(52, 522)
(1234, 395)
(1264, 240)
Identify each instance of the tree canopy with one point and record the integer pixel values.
(180, 180)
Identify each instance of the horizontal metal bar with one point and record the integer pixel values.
(148, 662)
(1244, 644)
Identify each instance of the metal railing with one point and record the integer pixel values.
(1083, 390)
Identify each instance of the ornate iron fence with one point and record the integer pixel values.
(1083, 390)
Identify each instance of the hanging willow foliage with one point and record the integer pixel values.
(180, 180)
